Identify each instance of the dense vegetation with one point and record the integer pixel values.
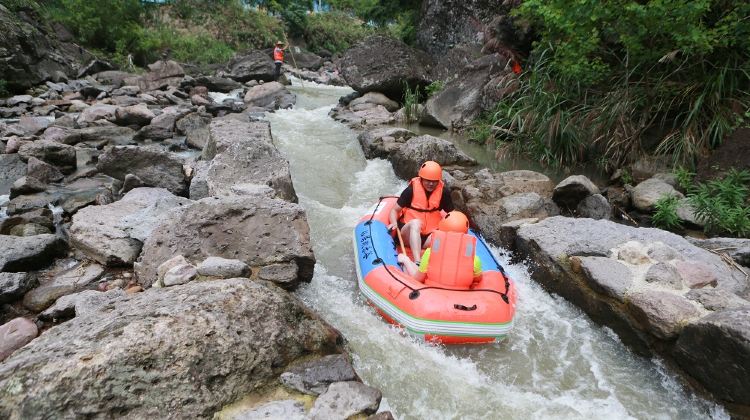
(210, 31)
(607, 81)
(721, 205)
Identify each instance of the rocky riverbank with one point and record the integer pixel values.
(151, 237)
(683, 299)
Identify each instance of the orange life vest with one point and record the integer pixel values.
(278, 54)
(516, 67)
(421, 208)
(451, 259)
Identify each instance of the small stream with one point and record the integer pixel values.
(556, 363)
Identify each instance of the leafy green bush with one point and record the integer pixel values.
(545, 123)
(722, 204)
(334, 31)
(684, 178)
(4, 88)
(626, 177)
(665, 216)
(434, 87)
(606, 75)
(103, 24)
(199, 47)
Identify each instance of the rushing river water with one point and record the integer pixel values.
(556, 363)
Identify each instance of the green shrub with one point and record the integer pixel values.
(101, 24)
(722, 204)
(334, 31)
(626, 177)
(434, 87)
(607, 75)
(198, 47)
(684, 178)
(4, 88)
(665, 216)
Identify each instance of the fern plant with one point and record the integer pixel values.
(722, 204)
(665, 216)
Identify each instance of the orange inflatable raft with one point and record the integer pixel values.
(480, 314)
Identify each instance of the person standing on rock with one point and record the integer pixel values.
(278, 58)
(418, 210)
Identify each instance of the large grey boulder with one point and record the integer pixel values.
(561, 237)
(271, 95)
(42, 171)
(218, 84)
(256, 65)
(372, 99)
(594, 207)
(163, 125)
(572, 190)
(260, 232)
(737, 248)
(383, 64)
(15, 334)
(77, 278)
(11, 168)
(647, 193)
(382, 141)
(653, 317)
(463, 99)
(417, 150)
(716, 351)
(32, 54)
(194, 127)
(106, 135)
(303, 59)
(138, 115)
(113, 234)
(314, 377)
(155, 168)
(57, 154)
(243, 153)
(607, 276)
(663, 313)
(179, 352)
(14, 285)
(280, 409)
(30, 252)
(161, 74)
(343, 400)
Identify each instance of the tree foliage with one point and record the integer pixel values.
(614, 79)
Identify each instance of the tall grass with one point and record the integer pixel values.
(681, 113)
(411, 103)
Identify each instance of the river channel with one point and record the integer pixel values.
(556, 363)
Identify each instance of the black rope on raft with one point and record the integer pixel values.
(415, 292)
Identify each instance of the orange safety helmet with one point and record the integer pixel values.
(431, 171)
(454, 221)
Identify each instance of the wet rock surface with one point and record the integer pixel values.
(129, 344)
(315, 376)
(233, 228)
(383, 64)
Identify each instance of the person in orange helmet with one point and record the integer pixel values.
(451, 259)
(418, 210)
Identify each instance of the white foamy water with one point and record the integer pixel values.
(556, 363)
(4, 206)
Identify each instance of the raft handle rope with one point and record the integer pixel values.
(414, 294)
